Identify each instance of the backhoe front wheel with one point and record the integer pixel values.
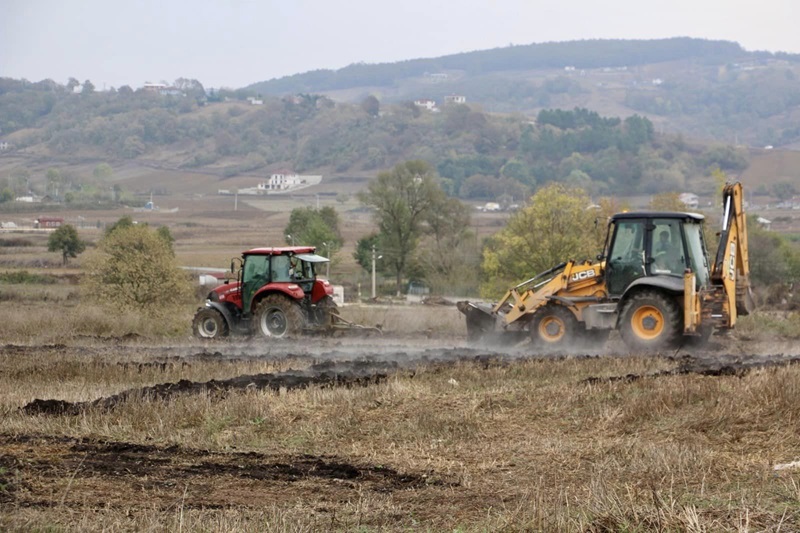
(277, 317)
(650, 321)
(553, 327)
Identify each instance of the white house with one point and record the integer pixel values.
(154, 87)
(455, 99)
(281, 181)
(690, 200)
(255, 101)
(430, 105)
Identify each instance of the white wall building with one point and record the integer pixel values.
(281, 181)
(430, 105)
(455, 99)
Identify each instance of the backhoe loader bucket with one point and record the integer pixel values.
(480, 319)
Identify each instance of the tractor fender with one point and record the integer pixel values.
(290, 290)
(668, 284)
(224, 311)
(321, 289)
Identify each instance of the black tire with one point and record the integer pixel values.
(651, 321)
(553, 327)
(277, 317)
(209, 324)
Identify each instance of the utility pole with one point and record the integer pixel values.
(374, 260)
(328, 264)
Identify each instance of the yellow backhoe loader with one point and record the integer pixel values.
(654, 282)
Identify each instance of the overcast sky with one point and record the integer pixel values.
(234, 43)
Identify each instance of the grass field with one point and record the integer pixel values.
(140, 427)
(452, 439)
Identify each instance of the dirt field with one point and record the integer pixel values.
(395, 433)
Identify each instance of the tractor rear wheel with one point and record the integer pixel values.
(650, 321)
(209, 324)
(328, 308)
(553, 327)
(277, 317)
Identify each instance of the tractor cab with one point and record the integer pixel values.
(659, 245)
(290, 270)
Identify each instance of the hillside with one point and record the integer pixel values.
(703, 89)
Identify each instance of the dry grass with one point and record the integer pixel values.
(504, 447)
(524, 446)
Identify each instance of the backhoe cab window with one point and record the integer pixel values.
(628, 243)
(625, 262)
(666, 248)
(697, 253)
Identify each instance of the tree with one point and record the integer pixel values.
(363, 253)
(315, 227)
(554, 228)
(124, 222)
(401, 199)
(54, 181)
(371, 106)
(667, 201)
(103, 171)
(65, 239)
(88, 87)
(449, 253)
(134, 269)
(72, 83)
(166, 236)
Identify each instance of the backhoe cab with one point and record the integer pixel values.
(653, 282)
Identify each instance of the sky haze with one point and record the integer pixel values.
(234, 43)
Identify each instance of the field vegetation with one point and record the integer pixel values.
(414, 429)
(579, 444)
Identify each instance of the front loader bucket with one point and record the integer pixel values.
(480, 319)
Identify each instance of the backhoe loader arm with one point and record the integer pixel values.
(731, 267)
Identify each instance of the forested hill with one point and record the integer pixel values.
(700, 88)
(586, 54)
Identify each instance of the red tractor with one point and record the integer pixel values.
(276, 294)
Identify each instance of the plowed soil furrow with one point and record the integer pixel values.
(49, 471)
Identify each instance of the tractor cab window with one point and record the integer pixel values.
(625, 261)
(667, 256)
(302, 269)
(281, 269)
(254, 276)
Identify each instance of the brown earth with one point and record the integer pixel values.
(69, 474)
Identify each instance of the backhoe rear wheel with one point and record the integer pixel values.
(553, 327)
(278, 317)
(650, 321)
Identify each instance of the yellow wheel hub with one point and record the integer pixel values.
(647, 322)
(552, 329)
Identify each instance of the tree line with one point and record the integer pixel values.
(480, 156)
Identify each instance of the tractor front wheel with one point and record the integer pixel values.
(277, 317)
(209, 324)
(553, 327)
(650, 321)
